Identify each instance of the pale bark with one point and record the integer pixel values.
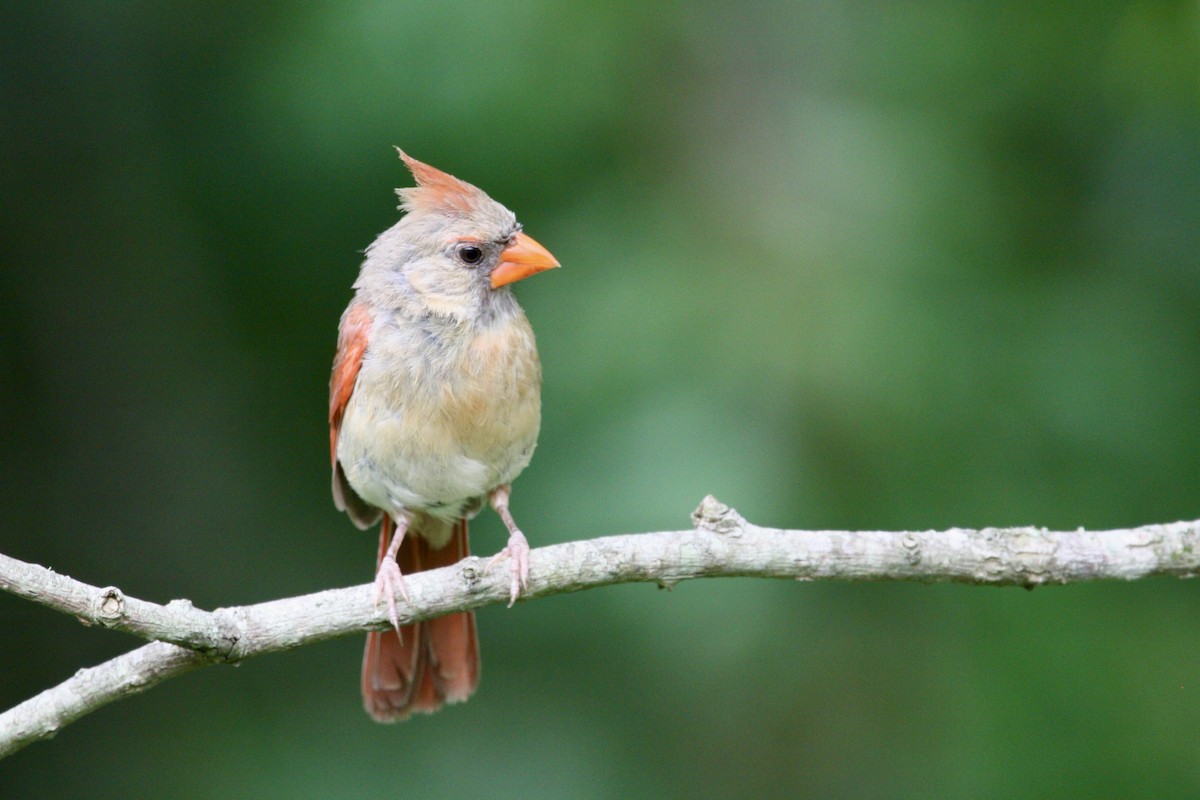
(721, 544)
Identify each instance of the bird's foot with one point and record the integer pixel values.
(388, 581)
(517, 552)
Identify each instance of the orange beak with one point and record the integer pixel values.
(522, 258)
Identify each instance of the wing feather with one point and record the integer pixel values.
(354, 333)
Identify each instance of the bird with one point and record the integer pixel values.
(434, 410)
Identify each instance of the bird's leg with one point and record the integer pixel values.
(517, 548)
(388, 579)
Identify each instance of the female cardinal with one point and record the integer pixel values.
(434, 406)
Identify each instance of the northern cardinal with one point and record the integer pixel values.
(434, 408)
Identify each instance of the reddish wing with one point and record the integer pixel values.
(353, 333)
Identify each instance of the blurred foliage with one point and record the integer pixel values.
(854, 265)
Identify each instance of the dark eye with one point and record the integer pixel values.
(470, 254)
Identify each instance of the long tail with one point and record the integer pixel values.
(431, 663)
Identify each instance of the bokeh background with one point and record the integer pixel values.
(844, 265)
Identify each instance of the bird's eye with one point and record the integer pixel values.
(470, 254)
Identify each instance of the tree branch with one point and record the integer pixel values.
(721, 543)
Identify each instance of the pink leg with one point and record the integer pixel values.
(388, 579)
(517, 548)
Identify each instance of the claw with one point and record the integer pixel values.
(517, 551)
(517, 548)
(388, 581)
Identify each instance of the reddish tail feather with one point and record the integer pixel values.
(430, 663)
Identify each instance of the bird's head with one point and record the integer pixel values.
(454, 252)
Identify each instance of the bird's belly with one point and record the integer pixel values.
(437, 450)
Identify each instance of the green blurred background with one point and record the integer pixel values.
(845, 265)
